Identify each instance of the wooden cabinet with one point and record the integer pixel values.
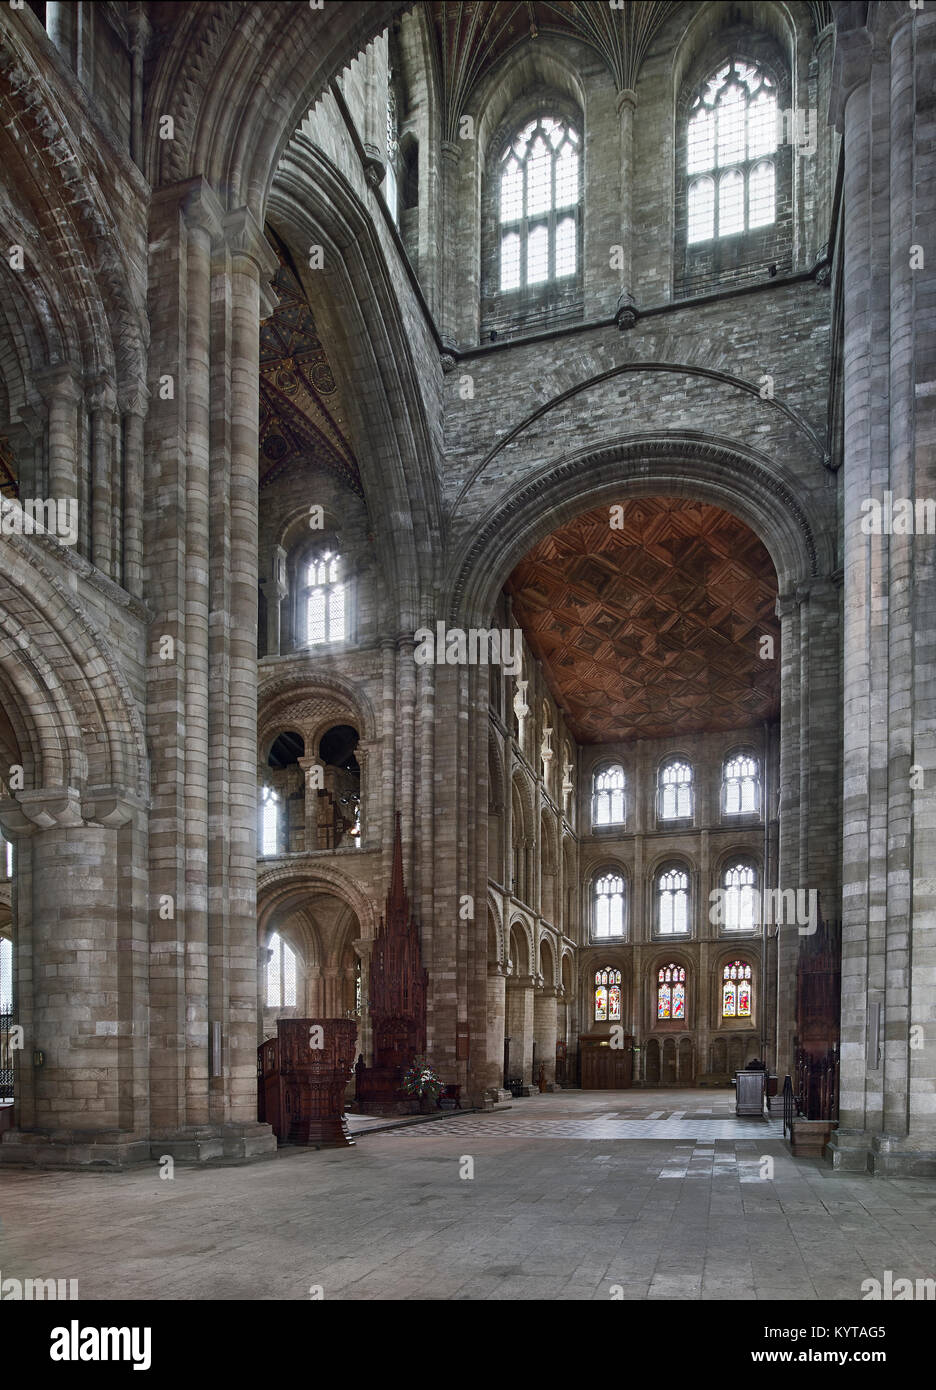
(606, 1068)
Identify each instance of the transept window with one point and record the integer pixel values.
(740, 897)
(671, 992)
(609, 905)
(675, 796)
(607, 996)
(324, 596)
(281, 974)
(538, 208)
(737, 992)
(731, 141)
(741, 786)
(608, 797)
(673, 902)
(269, 822)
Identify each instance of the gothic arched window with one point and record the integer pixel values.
(739, 884)
(671, 992)
(731, 141)
(324, 599)
(269, 821)
(607, 995)
(675, 793)
(609, 905)
(608, 796)
(741, 786)
(737, 990)
(281, 974)
(538, 206)
(673, 902)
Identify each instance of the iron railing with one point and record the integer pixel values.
(6, 1057)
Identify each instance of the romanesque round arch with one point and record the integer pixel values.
(277, 885)
(69, 701)
(720, 472)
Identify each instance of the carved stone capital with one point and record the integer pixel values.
(101, 394)
(202, 208)
(29, 811)
(110, 806)
(626, 100)
(133, 398)
(59, 382)
(244, 237)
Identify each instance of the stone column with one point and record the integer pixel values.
(314, 772)
(251, 259)
(127, 545)
(82, 1049)
(496, 1027)
(626, 106)
(60, 389)
(101, 403)
(545, 1025)
(520, 1025)
(883, 100)
(139, 33)
(451, 265)
(202, 217)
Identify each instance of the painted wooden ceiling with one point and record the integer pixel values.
(302, 415)
(652, 629)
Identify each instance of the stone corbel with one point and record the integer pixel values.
(627, 313)
(372, 162)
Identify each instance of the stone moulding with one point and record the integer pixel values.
(696, 459)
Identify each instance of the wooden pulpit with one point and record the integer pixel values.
(302, 1075)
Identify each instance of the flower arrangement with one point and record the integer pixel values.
(421, 1079)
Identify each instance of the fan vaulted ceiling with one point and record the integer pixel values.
(652, 629)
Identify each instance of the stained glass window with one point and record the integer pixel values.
(741, 786)
(609, 905)
(731, 138)
(281, 974)
(540, 179)
(675, 791)
(740, 897)
(673, 898)
(325, 599)
(607, 995)
(737, 990)
(671, 992)
(608, 798)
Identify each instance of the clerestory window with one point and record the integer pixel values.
(540, 194)
(731, 144)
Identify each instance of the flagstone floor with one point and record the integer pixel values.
(577, 1195)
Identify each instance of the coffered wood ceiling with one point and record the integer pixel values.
(652, 629)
